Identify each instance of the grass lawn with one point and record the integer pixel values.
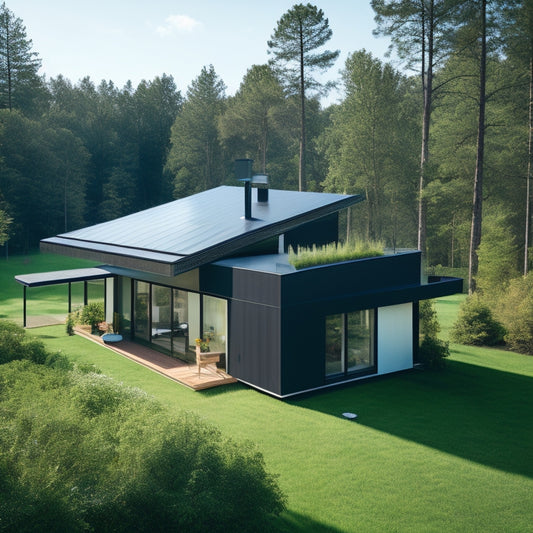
(431, 451)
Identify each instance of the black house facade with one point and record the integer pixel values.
(202, 266)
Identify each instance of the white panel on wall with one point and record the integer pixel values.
(395, 338)
(109, 299)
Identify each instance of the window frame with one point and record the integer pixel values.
(346, 372)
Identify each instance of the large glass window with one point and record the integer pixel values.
(360, 340)
(350, 342)
(215, 325)
(334, 344)
(172, 319)
(142, 315)
(161, 329)
(95, 290)
(186, 324)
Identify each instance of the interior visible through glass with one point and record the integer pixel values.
(349, 342)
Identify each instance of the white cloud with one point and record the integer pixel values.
(178, 23)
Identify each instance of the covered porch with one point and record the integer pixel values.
(99, 284)
(83, 285)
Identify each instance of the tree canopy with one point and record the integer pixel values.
(20, 84)
(74, 154)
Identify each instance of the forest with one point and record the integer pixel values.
(441, 148)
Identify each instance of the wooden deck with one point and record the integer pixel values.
(184, 373)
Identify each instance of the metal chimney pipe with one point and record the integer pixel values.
(243, 171)
(260, 181)
(247, 200)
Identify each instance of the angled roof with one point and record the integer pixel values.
(187, 233)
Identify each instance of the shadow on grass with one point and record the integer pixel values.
(472, 412)
(292, 522)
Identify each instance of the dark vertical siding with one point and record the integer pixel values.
(302, 345)
(254, 351)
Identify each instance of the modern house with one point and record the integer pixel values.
(215, 265)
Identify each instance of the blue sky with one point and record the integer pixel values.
(122, 40)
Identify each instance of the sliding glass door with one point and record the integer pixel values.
(141, 309)
(161, 329)
(171, 320)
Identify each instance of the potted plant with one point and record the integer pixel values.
(93, 314)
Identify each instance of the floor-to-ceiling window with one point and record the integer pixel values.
(141, 310)
(171, 320)
(161, 329)
(350, 343)
(186, 324)
(215, 325)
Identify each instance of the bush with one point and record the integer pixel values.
(81, 452)
(476, 325)
(14, 344)
(515, 309)
(92, 314)
(429, 322)
(70, 323)
(59, 361)
(432, 352)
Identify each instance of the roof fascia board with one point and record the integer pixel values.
(122, 260)
(62, 276)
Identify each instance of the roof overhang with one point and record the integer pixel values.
(62, 276)
(185, 234)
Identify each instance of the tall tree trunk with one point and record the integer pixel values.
(528, 178)
(477, 212)
(427, 82)
(8, 67)
(264, 147)
(301, 164)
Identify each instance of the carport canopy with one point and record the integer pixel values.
(58, 277)
(62, 276)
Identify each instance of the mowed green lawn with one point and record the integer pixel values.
(431, 451)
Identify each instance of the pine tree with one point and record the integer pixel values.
(300, 31)
(18, 64)
(195, 158)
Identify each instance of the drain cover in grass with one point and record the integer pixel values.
(350, 416)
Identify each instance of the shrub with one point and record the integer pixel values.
(476, 325)
(14, 344)
(433, 351)
(70, 323)
(515, 310)
(429, 322)
(59, 361)
(333, 253)
(112, 459)
(92, 314)
(96, 393)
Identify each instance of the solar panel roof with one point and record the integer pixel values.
(195, 230)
